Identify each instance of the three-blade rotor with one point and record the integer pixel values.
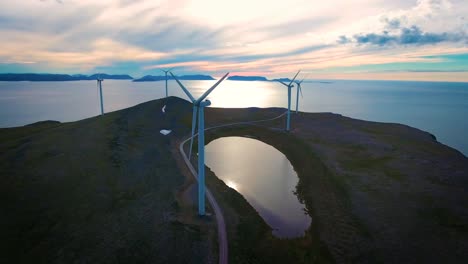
(294, 77)
(204, 95)
(196, 103)
(166, 71)
(290, 83)
(299, 86)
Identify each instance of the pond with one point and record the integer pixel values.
(266, 179)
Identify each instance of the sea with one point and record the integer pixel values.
(440, 108)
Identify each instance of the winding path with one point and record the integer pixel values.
(222, 235)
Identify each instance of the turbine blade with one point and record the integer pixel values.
(300, 89)
(211, 89)
(304, 78)
(282, 83)
(194, 122)
(183, 88)
(166, 71)
(294, 77)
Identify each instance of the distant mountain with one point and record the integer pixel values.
(33, 77)
(247, 78)
(111, 76)
(196, 77)
(151, 78)
(46, 77)
(286, 80)
(79, 75)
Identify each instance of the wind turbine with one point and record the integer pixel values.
(99, 84)
(299, 89)
(199, 106)
(165, 72)
(288, 120)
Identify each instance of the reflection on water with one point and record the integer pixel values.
(264, 176)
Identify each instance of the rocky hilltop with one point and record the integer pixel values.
(111, 189)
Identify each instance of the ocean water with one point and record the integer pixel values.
(440, 108)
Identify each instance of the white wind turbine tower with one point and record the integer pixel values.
(290, 85)
(299, 89)
(166, 72)
(198, 106)
(99, 85)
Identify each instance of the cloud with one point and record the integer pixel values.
(294, 27)
(428, 22)
(436, 70)
(58, 1)
(343, 40)
(209, 35)
(405, 36)
(393, 23)
(409, 36)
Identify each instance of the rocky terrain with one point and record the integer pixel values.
(112, 189)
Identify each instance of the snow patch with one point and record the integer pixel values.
(164, 109)
(165, 132)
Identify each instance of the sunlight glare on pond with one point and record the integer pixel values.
(265, 177)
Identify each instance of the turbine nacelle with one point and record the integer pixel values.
(204, 103)
(166, 71)
(99, 79)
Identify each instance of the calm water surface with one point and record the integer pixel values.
(264, 176)
(437, 107)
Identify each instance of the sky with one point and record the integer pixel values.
(335, 39)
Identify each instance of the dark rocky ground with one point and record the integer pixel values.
(377, 192)
(408, 192)
(110, 189)
(100, 190)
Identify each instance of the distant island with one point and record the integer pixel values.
(49, 77)
(110, 77)
(259, 78)
(38, 77)
(247, 78)
(282, 80)
(196, 77)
